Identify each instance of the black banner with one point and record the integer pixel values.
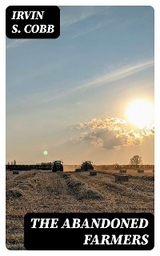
(32, 22)
(89, 231)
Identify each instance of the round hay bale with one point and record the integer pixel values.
(92, 173)
(123, 171)
(140, 171)
(121, 178)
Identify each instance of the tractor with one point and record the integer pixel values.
(57, 166)
(86, 166)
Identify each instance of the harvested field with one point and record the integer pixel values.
(45, 191)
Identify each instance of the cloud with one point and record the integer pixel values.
(117, 74)
(111, 133)
(148, 130)
(88, 30)
(17, 43)
(75, 15)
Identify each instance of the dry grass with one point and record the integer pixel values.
(80, 189)
(44, 191)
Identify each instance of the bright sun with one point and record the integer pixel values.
(140, 113)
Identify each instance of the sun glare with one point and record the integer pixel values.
(140, 113)
(45, 152)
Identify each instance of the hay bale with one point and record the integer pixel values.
(92, 173)
(15, 172)
(123, 171)
(78, 170)
(121, 178)
(140, 171)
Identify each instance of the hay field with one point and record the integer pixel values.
(44, 191)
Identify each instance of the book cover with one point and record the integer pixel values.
(79, 127)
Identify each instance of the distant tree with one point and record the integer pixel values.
(14, 162)
(136, 160)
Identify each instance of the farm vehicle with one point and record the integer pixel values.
(57, 166)
(86, 166)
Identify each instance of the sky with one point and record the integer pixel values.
(68, 96)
